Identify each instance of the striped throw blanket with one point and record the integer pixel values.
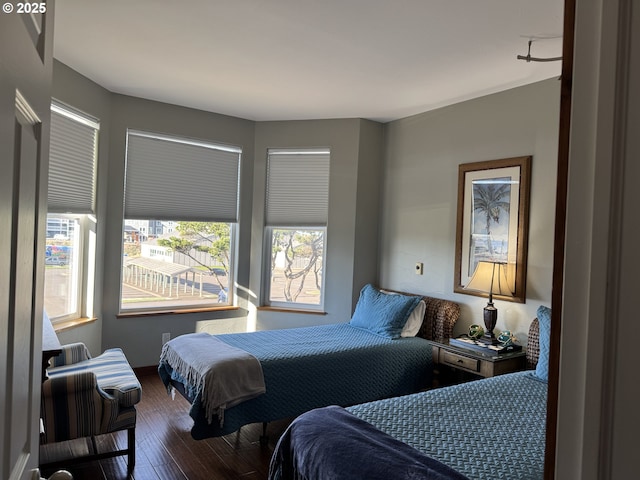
(223, 375)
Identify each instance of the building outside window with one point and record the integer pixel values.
(297, 197)
(181, 203)
(70, 230)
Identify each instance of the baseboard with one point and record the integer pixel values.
(143, 371)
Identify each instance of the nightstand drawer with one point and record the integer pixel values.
(460, 361)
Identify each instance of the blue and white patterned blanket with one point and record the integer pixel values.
(306, 368)
(224, 376)
(487, 429)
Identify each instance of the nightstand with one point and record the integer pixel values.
(453, 364)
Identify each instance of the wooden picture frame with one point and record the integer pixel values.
(493, 221)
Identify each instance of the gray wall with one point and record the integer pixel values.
(369, 206)
(422, 154)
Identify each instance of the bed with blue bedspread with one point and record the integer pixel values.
(487, 429)
(311, 367)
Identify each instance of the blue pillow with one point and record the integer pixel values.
(382, 313)
(544, 320)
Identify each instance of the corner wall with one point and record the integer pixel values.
(422, 154)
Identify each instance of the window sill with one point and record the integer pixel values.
(291, 310)
(155, 313)
(69, 324)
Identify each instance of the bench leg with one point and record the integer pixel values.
(131, 447)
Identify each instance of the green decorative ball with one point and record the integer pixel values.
(505, 338)
(476, 331)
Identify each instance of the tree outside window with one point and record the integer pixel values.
(297, 265)
(182, 264)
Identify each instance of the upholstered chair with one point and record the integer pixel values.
(85, 397)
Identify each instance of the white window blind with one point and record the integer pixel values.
(170, 178)
(297, 188)
(72, 161)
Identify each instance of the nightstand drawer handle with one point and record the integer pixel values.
(460, 361)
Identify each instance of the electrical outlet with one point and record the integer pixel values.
(419, 268)
(166, 337)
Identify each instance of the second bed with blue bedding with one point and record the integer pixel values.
(488, 429)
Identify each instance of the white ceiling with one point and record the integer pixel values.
(303, 59)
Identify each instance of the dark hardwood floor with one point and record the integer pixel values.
(165, 449)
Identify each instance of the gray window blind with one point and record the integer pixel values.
(297, 188)
(170, 178)
(72, 161)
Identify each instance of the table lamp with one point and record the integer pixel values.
(491, 278)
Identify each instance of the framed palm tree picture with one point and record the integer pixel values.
(492, 222)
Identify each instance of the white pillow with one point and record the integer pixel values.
(414, 322)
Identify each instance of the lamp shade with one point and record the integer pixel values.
(490, 277)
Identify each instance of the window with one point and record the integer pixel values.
(297, 199)
(70, 231)
(181, 203)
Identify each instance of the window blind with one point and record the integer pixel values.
(72, 161)
(297, 188)
(170, 178)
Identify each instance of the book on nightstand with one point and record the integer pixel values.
(487, 349)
